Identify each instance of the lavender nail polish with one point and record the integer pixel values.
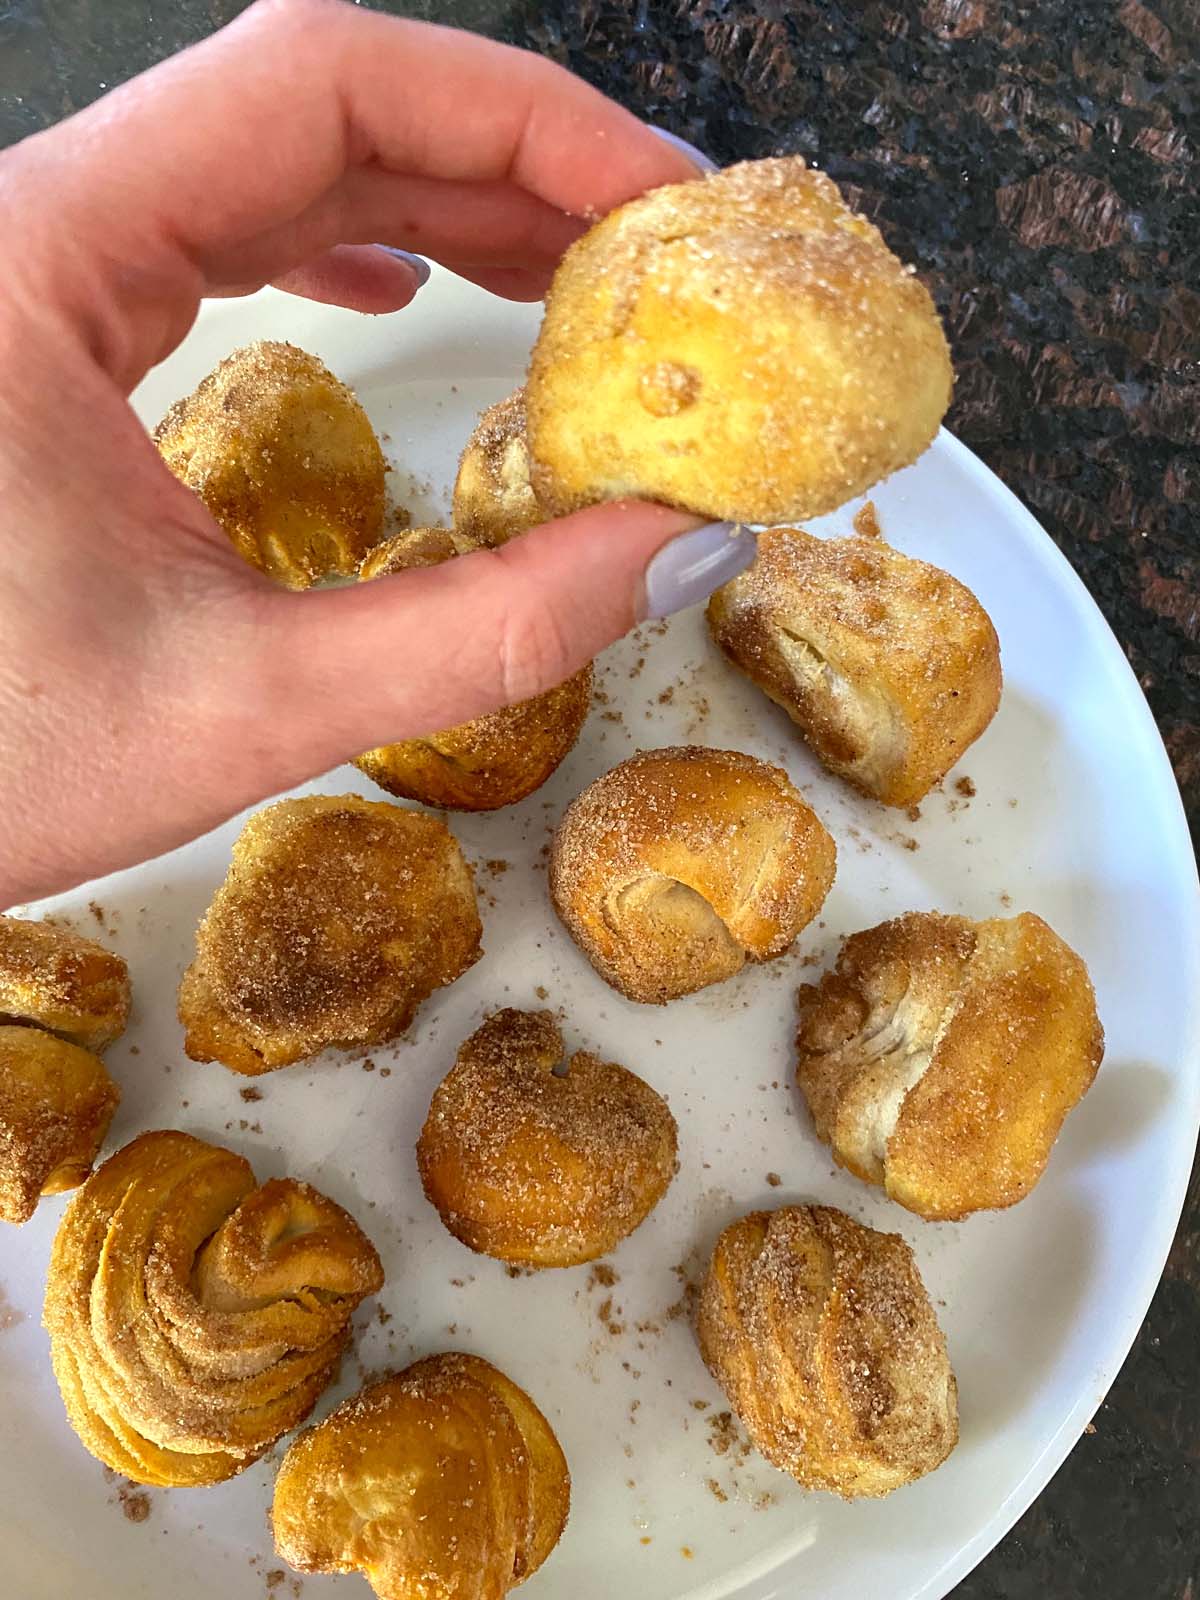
(688, 569)
(705, 163)
(418, 263)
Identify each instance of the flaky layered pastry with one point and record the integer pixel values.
(889, 667)
(680, 865)
(56, 1102)
(538, 1160)
(743, 346)
(493, 497)
(284, 458)
(821, 1334)
(444, 1482)
(195, 1316)
(53, 979)
(941, 1057)
(493, 760)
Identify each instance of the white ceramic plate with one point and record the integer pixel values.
(1075, 815)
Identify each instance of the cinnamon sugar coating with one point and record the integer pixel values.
(538, 1160)
(680, 865)
(493, 497)
(52, 978)
(56, 1102)
(941, 1057)
(195, 1316)
(742, 346)
(337, 918)
(821, 1334)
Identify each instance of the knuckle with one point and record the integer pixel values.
(533, 651)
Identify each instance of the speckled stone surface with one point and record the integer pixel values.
(1038, 163)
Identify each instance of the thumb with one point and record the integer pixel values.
(422, 650)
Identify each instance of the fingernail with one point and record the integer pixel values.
(705, 163)
(688, 569)
(418, 263)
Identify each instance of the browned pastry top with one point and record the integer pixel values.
(742, 345)
(493, 497)
(539, 1160)
(56, 1102)
(284, 458)
(890, 666)
(942, 1055)
(194, 1317)
(821, 1333)
(337, 918)
(680, 864)
(444, 1482)
(52, 978)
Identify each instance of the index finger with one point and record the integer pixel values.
(241, 133)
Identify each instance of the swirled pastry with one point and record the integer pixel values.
(821, 1334)
(743, 346)
(56, 1102)
(338, 917)
(889, 667)
(53, 979)
(444, 1482)
(680, 865)
(493, 497)
(195, 1316)
(493, 760)
(536, 1163)
(285, 460)
(941, 1057)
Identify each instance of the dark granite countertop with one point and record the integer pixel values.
(1037, 161)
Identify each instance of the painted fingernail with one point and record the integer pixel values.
(418, 263)
(705, 163)
(688, 569)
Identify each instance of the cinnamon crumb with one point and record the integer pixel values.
(774, 1179)
(250, 1093)
(966, 787)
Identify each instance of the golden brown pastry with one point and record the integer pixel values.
(742, 346)
(493, 760)
(53, 979)
(195, 1316)
(285, 460)
(820, 1332)
(889, 667)
(941, 1057)
(535, 1163)
(337, 918)
(444, 1482)
(493, 497)
(56, 1102)
(680, 865)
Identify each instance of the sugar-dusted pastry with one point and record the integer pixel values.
(284, 458)
(56, 1102)
(444, 1482)
(743, 346)
(53, 979)
(337, 918)
(195, 1316)
(493, 497)
(535, 1159)
(493, 760)
(680, 865)
(941, 1057)
(889, 667)
(821, 1334)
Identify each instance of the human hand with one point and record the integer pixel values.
(151, 684)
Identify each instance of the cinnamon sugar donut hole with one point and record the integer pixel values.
(493, 497)
(537, 1160)
(820, 1332)
(494, 760)
(679, 865)
(742, 346)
